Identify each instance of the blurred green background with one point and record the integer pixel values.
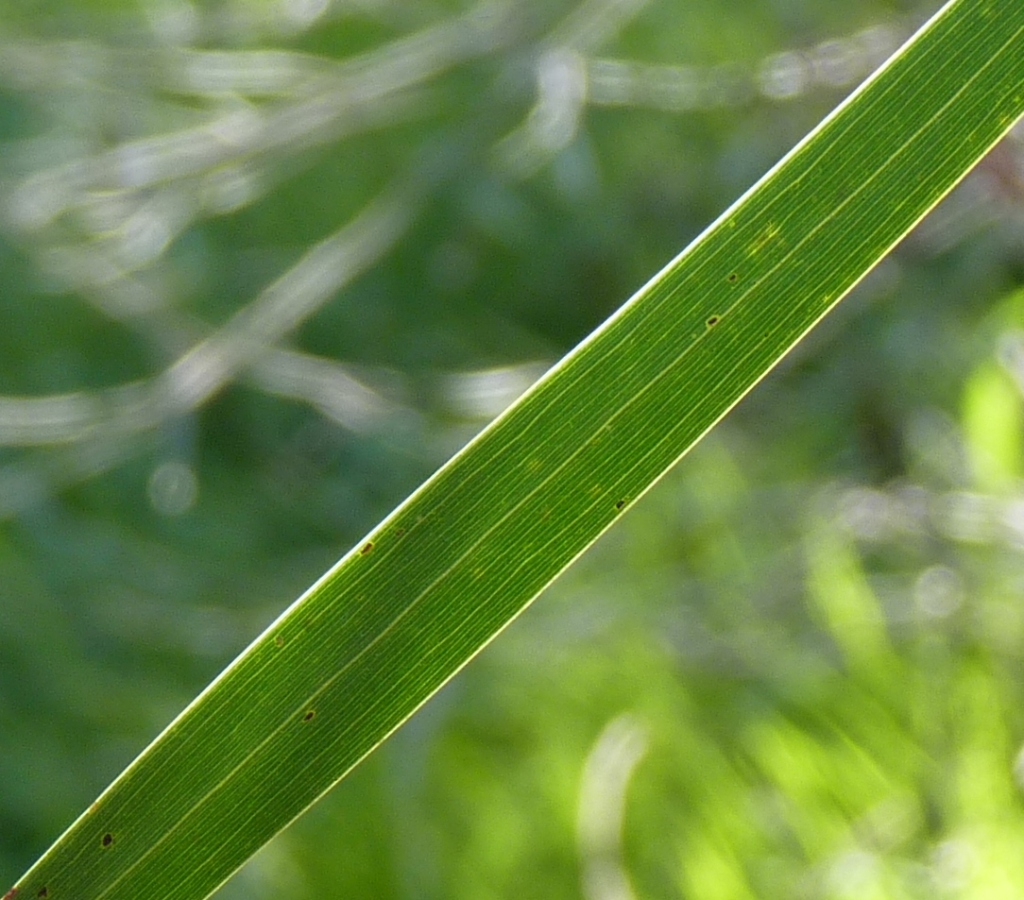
(264, 264)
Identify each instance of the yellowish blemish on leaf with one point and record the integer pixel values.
(769, 233)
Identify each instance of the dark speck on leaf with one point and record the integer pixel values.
(308, 717)
(619, 504)
(712, 321)
(733, 278)
(399, 532)
(43, 892)
(108, 839)
(366, 548)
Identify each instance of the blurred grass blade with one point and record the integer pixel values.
(384, 629)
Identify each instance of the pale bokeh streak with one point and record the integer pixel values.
(606, 775)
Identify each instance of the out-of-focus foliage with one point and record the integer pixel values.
(792, 671)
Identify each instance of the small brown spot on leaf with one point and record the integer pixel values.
(399, 532)
(733, 278)
(11, 894)
(619, 504)
(108, 839)
(308, 717)
(43, 892)
(278, 640)
(366, 548)
(712, 321)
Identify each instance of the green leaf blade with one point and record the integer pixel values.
(400, 614)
